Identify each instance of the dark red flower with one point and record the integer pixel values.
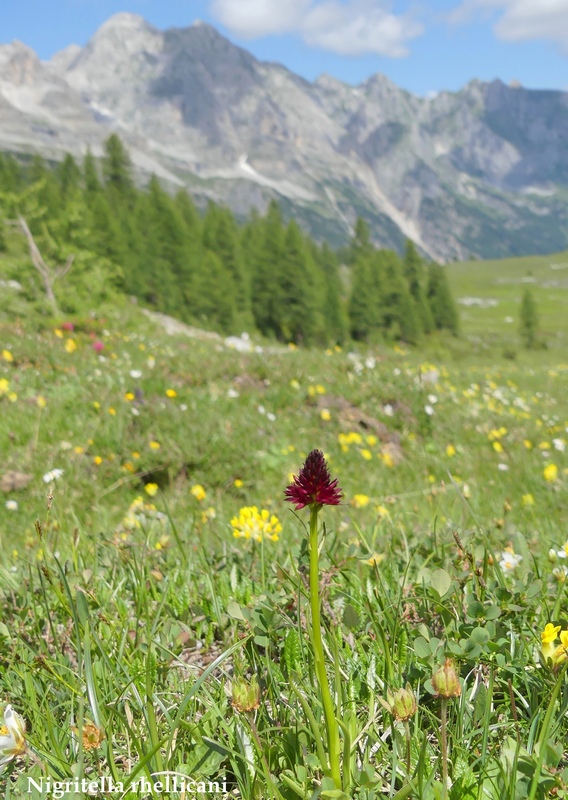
(313, 486)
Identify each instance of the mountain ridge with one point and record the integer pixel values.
(482, 172)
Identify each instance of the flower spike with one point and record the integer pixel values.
(313, 486)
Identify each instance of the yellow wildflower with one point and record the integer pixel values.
(238, 483)
(58, 333)
(129, 397)
(325, 415)
(450, 451)
(561, 652)
(376, 559)
(254, 524)
(7, 355)
(155, 445)
(527, 500)
(548, 639)
(112, 411)
(78, 450)
(550, 473)
(528, 444)
(171, 393)
(4, 386)
(208, 514)
(360, 500)
(198, 492)
(366, 454)
(98, 460)
(498, 447)
(151, 489)
(70, 345)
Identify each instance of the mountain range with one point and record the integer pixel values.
(479, 173)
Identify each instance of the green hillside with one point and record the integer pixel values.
(503, 282)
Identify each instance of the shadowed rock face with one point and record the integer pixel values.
(479, 172)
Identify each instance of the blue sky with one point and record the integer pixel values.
(422, 45)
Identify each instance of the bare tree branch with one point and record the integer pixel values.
(48, 275)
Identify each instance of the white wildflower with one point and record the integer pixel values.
(53, 475)
(12, 737)
(509, 561)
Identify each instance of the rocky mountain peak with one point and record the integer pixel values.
(479, 172)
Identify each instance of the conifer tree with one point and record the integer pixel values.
(528, 320)
(90, 175)
(361, 245)
(268, 257)
(297, 314)
(414, 274)
(190, 216)
(440, 300)
(365, 313)
(69, 176)
(212, 296)
(11, 177)
(333, 308)
(398, 309)
(221, 236)
(117, 167)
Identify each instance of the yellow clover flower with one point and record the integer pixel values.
(254, 524)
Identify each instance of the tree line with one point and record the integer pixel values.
(206, 269)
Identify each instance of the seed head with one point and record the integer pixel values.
(445, 680)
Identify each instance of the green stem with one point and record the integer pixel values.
(408, 742)
(444, 737)
(317, 644)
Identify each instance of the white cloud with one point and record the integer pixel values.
(254, 18)
(522, 20)
(349, 28)
(358, 28)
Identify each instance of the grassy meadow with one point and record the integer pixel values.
(149, 627)
(500, 285)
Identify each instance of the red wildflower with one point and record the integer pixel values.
(68, 326)
(313, 486)
(98, 346)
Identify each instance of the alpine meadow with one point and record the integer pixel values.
(279, 520)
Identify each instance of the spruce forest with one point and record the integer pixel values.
(207, 269)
